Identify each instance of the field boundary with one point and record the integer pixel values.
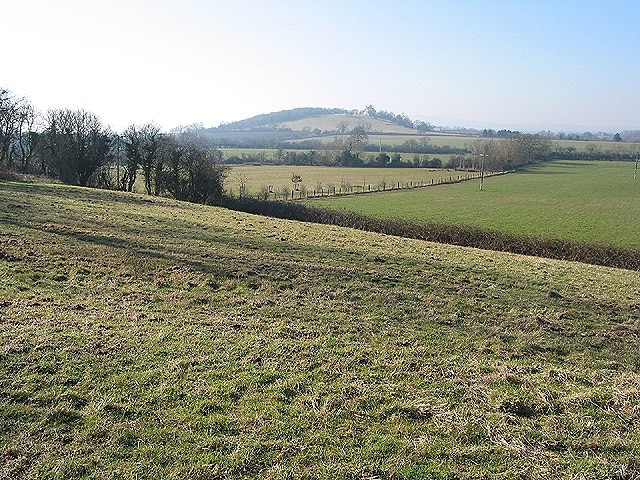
(381, 188)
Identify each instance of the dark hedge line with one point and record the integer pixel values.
(461, 235)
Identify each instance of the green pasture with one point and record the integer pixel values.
(268, 153)
(143, 337)
(454, 141)
(440, 140)
(598, 146)
(586, 201)
(257, 177)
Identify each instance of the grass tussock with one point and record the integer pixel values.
(149, 338)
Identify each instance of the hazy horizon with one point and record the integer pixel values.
(560, 66)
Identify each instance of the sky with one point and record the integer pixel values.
(531, 65)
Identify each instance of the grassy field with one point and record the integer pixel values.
(587, 201)
(316, 178)
(148, 338)
(397, 139)
(598, 146)
(462, 141)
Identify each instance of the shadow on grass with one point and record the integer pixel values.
(547, 168)
(197, 249)
(461, 235)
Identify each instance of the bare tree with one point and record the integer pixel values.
(14, 112)
(133, 154)
(357, 138)
(141, 147)
(243, 179)
(150, 134)
(190, 172)
(296, 179)
(76, 144)
(27, 139)
(522, 149)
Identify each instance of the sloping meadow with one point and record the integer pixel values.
(158, 339)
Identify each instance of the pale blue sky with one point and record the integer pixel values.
(559, 65)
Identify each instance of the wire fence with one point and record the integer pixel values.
(302, 193)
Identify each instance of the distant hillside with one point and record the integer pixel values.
(340, 122)
(275, 120)
(309, 122)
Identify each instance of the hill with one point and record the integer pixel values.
(152, 338)
(304, 123)
(274, 120)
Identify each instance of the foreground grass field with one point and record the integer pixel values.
(148, 338)
(596, 202)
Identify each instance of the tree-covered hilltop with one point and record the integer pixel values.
(272, 121)
(275, 120)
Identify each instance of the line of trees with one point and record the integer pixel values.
(400, 119)
(502, 155)
(76, 148)
(353, 151)
(17, 122)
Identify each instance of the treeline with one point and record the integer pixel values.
(505, 154)
(75, 147)
(627, 135)
(353, 151)
(399, 119)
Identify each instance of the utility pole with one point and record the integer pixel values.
(482, 155)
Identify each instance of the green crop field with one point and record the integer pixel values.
(586, 201)
(257, 177)
(148, 338)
